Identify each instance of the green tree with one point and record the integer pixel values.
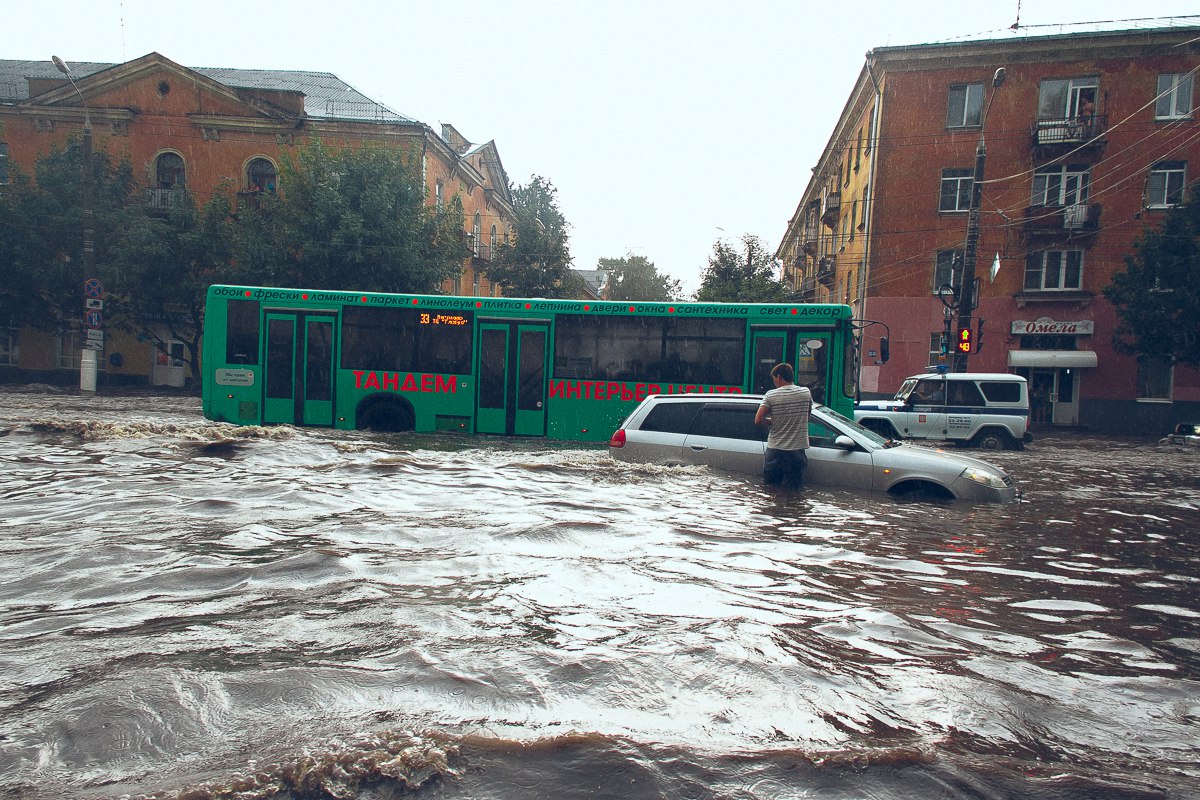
(349, 219)
(741, 275)
(165, 264)
(636, 278)
(1157, 297)
(537, 261)
(41, 235)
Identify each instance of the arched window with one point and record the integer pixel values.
(477, 234)
(169, 172)
(492, 242)
(261, 175)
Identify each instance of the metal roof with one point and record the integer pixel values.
(326, 96)
(1020, 32)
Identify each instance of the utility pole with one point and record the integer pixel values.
(961, 347)
(87, 358)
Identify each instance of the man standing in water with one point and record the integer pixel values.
(785, 410)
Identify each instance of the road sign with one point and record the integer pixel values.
(92, 287)
(95, 340)
(93, 318)
(92, 302)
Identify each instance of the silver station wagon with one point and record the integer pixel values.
(718, 430)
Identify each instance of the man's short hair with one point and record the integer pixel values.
(783, 372)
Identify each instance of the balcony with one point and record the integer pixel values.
(1082, 219)
(166, 199)
(833, 210)
(1053, 136)
(808, 289)
(826, 266)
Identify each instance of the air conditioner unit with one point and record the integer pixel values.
(1075, 216)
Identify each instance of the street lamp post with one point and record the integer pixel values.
(87, 356)
(966, 286)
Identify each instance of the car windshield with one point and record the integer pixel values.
(905, 388)
(874, 437)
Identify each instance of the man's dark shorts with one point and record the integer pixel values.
(784, 468)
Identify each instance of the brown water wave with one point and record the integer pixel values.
(190, 609)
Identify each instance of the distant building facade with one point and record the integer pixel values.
(1089, 139)
(189, 130)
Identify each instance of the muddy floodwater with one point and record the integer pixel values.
(194, 610)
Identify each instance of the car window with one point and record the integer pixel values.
(963, 393)
(1001, 391)
(929, 393)
(820, 434)
(728, 422)
(671, 417)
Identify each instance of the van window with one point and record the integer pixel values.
(728, 422)
(929, 393)
(671, 417)
(1001, 391)
(963, 393)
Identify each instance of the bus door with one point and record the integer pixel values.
(298, 385)
(807, 351)
(511, 379)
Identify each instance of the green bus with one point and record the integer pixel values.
(559, 369)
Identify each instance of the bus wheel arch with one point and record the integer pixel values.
(385, 412)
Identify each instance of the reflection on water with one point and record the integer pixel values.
(190, 610)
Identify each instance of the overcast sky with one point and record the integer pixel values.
(665, 125)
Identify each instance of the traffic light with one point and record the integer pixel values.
(965, 341)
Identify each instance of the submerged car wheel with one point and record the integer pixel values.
(990, 440)
(921, 492)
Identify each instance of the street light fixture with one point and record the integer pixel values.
(87, 356)
(966, 286)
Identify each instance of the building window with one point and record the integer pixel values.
(170, 182)
(439, 193)
(946, 270)
(965, 106)
(956, 189)
(1154, 375)
(1065, 185)
(477, 235)
(936, 356)
(169, 172)
(3, 163)
(261, 175)
(10, 344)
(1054, 271)
(492, 242)
(1164, 187)
(1068, 99)
(1174, 100)
(70, 343)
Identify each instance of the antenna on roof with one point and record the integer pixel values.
(1017, 24)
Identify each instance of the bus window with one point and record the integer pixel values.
(241, 338)
(650, 349)
(406, 340)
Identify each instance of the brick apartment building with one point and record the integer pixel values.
(188, 130)
(1089, 136)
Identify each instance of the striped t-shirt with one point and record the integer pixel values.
(788, 407)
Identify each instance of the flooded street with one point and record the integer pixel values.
(193, 610)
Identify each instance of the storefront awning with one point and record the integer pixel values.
(1052, 358)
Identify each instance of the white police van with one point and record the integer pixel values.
(989, 410)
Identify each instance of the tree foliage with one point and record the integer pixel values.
(41, 235)
(349, 219)
(536, 262)
(741, 275)
(1157, 297)
(636, 278)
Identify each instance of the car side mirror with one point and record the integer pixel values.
(845, 442)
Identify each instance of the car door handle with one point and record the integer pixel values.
(696, 448)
